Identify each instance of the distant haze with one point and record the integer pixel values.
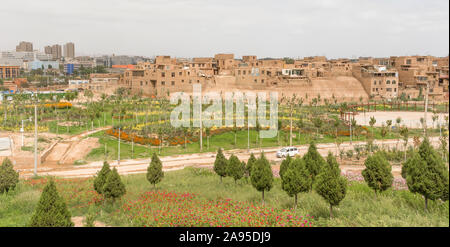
(196, 28)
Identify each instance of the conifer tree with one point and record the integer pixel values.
(220, 164)
(296, 178)
(154, 171)
(314, 161)
(51, 210)
(235, 169)
(330, 184)
(426, 174)
(113, 188)
(377, 173)
(285, 165)
(8, 176)
(100, 179)
(262, 176)
(250, 162)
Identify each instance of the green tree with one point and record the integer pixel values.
(8, 176)
(250, 162)
(51, 210)
(426, 174)
(235, 168)
(372, 122)
(113, 188)
(262, 176)
(404, 132)
(388, 124)
(220, 164)
(330, 184)
(101, 177)
(377, 173)
(314, 161)
(296, 179)
(154, 171)
(285, 165)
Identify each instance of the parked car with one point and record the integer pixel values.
(284, 152)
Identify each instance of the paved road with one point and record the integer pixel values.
(5, 146)
(177, 162)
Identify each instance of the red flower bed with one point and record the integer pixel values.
(185, 209)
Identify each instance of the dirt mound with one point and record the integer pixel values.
(67, 152)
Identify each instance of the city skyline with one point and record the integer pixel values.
(264, 29)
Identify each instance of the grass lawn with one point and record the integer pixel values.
(197, 194)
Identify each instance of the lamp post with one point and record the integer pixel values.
(118, 153)
(22, 130)
(425, 112)
(35, 134)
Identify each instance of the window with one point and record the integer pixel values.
(374, 82)
(262, 81)
(256, 80)
(244, 71)
(173, 83)
(239, 72)
(141, 83)
(388, 89)
(163, 83)
(180, 73)
(388, 82)
(395, 89)
(393, 82)
(173, 74)
(163, 74)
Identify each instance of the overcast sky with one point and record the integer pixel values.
(195, 28)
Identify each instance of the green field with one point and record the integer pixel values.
(359, 207)
(225, 141)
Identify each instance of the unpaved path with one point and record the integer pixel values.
(78, 221)
(177, 162)
(69, 150)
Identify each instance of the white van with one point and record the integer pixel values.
(284, 152)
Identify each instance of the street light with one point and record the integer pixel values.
(35, 133)
(22, 130)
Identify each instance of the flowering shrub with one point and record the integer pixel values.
(59, 105)
(135, 138)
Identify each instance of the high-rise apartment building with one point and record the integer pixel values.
(54, 50)
(69, 50)
(24, 46)
(48, 49)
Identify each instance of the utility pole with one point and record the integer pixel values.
(351, 143)
(201, 126)
(35, 137)
(248, 133)
(21, 131)
(425, 112)
(118, 153)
